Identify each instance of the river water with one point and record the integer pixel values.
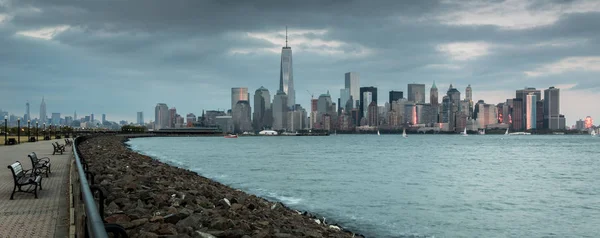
(424, 185)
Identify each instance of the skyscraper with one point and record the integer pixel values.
(469, 93)
(395, 96)
(161, 116)
(172, 117)
(517, 114)
(27, 114)
(241, 117)
(453, 107)
(416, 93)
(345, 102)
(92, 117)
(364, 106)
(286, 74)
(530, 111)
(552, 109)
(238, 94)
(55, 119)
(352, 82)
(43, 116)
(522, 94)
(103, 118)
(262, 109)
(433, 95)
(140, 118)
(280, 110)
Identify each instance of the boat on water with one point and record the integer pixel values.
(378, 133)
(520, 133)
(267, 133)
(464, 133)
(506, 133)
(231, 136)
(482, 132)
(404, 134)
(593, 133)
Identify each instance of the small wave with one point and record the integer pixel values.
(288, 200)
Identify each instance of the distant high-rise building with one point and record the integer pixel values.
(27, 113)
(522, 94)
(352, 82)
(373, 115)
(43, 115)
(363, 105)
(530, 111)
(161, 116)
(92, 117)
(238, 94)
(433, 95)
(346, 103)
(469, 93)
(140, 118)
(75, 115)
(241, 117)
(453, 107)
(416, 93)
(552, 109)
(262, 109)
(313, 104)
(56, 119)
(280, 110)
(324, 106)
(395, 96)
(486, 114)
(68, 121)
(580, 125)
(517, 114)
(286, 74)
(103, 118)
(172, 117)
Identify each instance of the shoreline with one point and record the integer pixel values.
(177, 201)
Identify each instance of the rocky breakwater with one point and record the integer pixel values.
(152, 199)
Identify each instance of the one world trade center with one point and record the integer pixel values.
(286, 75)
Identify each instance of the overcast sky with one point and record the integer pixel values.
(119, 57)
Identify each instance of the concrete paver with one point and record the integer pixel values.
(26, 216)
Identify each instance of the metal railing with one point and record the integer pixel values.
(89, 221)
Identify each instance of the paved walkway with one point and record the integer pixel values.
(26, 216)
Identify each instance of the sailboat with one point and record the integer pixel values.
(482, 132)
(506, 133)
(378, 133)
(464, 133)
(593, 133)
(404, 134)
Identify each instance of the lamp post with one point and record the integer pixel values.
(19, 130)
(6, 130)
(37, 138)
(28, 130)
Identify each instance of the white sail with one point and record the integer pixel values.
(404, 133)
(593, 132)
(378, 133)
(506, 133)
(464, 133)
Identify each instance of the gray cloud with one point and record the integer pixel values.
(124, 56)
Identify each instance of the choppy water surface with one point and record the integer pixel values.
(429, 185)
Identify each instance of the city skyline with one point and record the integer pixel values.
(83, 56)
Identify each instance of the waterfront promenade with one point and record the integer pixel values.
(26, 216)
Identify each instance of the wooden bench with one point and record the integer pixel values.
(40, 165)
(24, 178)
(58, 148)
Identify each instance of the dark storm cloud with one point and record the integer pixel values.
(190, 53)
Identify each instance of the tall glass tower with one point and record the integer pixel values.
(286, 75)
